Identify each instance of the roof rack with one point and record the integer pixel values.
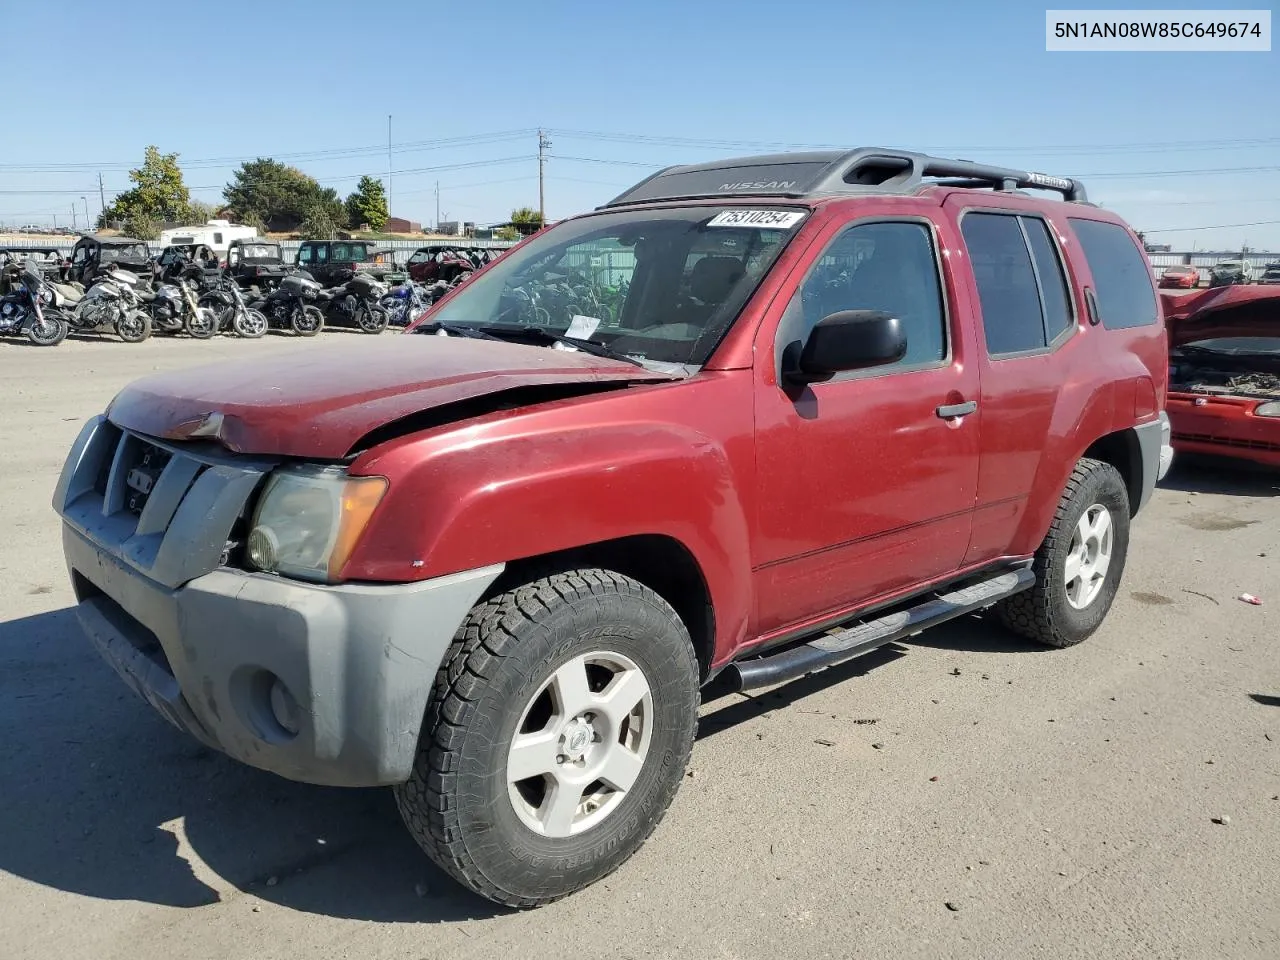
(866, 170)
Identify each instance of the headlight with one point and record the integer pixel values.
(308, 520)
(1269, 409)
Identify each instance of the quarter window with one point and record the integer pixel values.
(880, 266)
(1120, 274)
(1021, 286)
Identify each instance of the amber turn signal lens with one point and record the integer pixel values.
(360, 495)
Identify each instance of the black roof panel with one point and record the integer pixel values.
(826, 173)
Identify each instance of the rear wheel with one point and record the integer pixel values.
(556, 737)
(1079, 564)
(308, 321)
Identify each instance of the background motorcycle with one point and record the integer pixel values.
(22, 309)
(356, 303)
(114, 300)
(175, 307)
(228, 304)
(404, 303)
(292, 306)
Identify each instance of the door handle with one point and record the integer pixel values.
(949, 410)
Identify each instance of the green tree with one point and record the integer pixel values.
(158, 195)
(199, 212)
(368, 205)
(279, 197)
(526, 220)
(320, 223)
(142, 228)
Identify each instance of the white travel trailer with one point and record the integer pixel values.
(215, 234)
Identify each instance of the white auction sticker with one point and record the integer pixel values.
(759, 219)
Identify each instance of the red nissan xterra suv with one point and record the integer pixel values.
(748, 420)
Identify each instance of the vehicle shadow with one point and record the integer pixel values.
(105, 799)
(1233, 478)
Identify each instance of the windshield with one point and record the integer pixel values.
(259, 251)
(1236, 346)
(655, 285)
(134, 252)
(347, 252)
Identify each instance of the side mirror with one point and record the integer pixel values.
(848, 340)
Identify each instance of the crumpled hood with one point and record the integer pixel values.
(1238, 311)
(319, 400)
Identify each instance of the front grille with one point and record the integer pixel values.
(164, 508)
(143, 476)
(1227, 441)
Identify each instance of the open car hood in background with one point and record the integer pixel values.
(322, 400)
(1239, 311)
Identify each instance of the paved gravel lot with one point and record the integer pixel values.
(1061, 801)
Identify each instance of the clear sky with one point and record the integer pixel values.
(622, 89)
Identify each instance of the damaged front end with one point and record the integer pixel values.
(1224, 373)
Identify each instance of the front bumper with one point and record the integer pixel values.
(1224, 426)
(323, 684)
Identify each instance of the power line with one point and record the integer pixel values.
(463, 165)
(1216, 226)
(330, 154)
(1142, 147)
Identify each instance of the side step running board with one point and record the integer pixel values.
(848, 642)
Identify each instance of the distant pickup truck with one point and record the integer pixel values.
(333, 262)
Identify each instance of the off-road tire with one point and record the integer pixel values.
(456, 803)
(1043, 613)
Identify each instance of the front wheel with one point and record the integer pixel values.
(308, 321)
(250, 324)
(557, 734)
(1079, 564)
(372, 319)
(134, 326)
(202, 324)
(48, 330)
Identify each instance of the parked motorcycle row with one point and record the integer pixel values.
(192, 299)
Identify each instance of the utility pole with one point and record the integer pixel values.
(73, 217)
(102, 196)
(388, 164)
(437, 206)
(86, 213)
(543, 143)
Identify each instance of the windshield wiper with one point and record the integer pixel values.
(457, 329)
(586, 346)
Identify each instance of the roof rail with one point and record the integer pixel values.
(867, 170)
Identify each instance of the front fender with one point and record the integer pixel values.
(673, 459)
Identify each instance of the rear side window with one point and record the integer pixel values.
(1120, 274)
(1053, 285)
(1021, 285)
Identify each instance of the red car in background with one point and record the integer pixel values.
(1180, 277)
(1224, 372)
